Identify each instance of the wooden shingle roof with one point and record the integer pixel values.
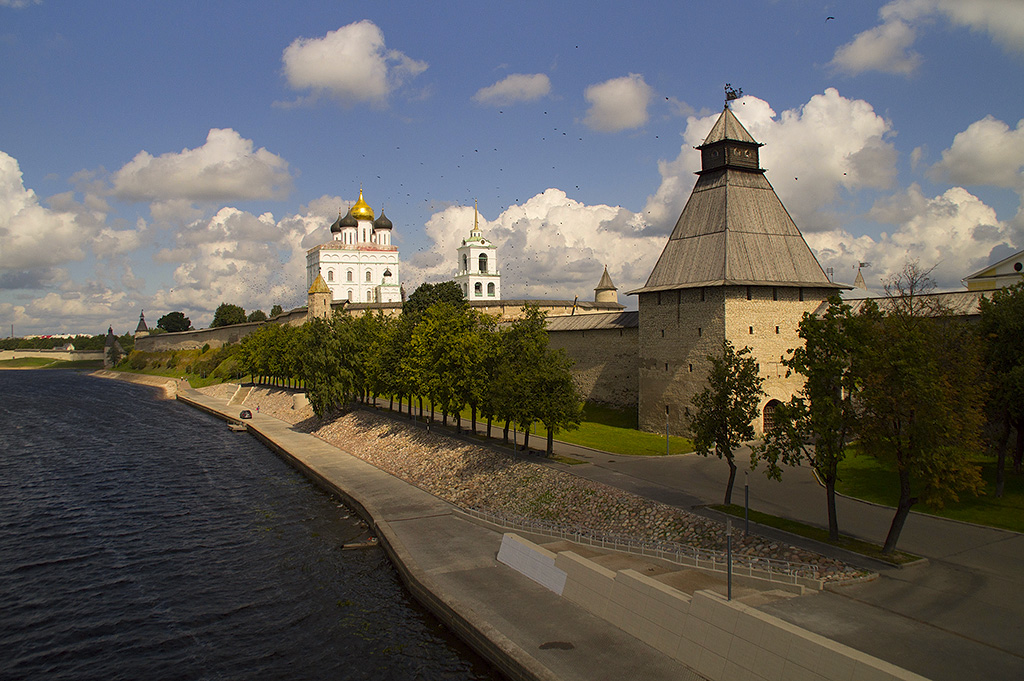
(734, 230)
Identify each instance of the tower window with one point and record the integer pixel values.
(348, 276)
(369, 296)
(465, 263)
(478, 289)
(490, 290)
(776, 330)
(659, 297)
(330, 275)
(666, 366)
(663, 333)
(801, 293)
(751, 331)
(483, 262)
(748, 293)
(702, 294)
(369, 277)
(775, 293)
(691, 368)
(700, 332)
(350, 295)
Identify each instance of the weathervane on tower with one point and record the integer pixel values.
(732, 93)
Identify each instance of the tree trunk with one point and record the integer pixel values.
(902, 511)
(732, 478)
(505, 438)
(1001, 446)
(551, 441)
(444, 417)
(526, 438)
(1018, 454)
(391, 404)
(473, 431)
(458, 421)
(830, 500)
(421, 406)
(489, 419)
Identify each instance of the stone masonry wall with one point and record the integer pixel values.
(678, 330)
(606, 364)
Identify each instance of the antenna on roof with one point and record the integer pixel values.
(732, 93)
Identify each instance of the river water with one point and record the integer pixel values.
(141, 539)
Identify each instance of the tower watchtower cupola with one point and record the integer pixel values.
(729, 145)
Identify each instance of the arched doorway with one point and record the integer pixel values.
(768, 420)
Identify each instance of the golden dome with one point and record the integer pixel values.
(361, 210)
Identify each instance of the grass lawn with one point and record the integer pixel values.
(26, 363)
(871, 479)
(604, 428)
(818, 534)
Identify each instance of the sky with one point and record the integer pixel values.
(174, 156)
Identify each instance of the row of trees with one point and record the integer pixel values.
(227, 313)
(439, 349)
(909, 382)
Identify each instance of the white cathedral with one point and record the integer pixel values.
(359, 264)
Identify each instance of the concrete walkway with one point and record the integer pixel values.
(960, 615)
(449, 563)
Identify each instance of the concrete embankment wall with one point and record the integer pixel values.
(721, 639)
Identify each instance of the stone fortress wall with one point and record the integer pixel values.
(606, 363)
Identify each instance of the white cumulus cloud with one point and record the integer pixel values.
(813, 154)
(618, 104)
(549, 247)
(988, 152)
(31, 235)
(226, 167)
(955, 231)
(886, 47)
(517, 87)
(351, 64)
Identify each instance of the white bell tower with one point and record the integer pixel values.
(477, 272)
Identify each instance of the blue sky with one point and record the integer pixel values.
(173, 156)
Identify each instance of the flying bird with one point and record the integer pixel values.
(828, 18)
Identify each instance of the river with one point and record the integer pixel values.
(141, 539)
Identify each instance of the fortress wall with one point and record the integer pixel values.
(606, 363)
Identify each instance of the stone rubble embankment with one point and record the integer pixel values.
(503, 483)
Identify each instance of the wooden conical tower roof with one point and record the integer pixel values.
(734, 230)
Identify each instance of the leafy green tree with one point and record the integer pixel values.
(922, 396)
(328, 381)
(1002, 332)
(519, 377)
(560, 405)
(276, 310)
(446, 353)
(723, 413)
(256, 316)
(426, 295)
(174, 322)
(817, 424)
(226, 314)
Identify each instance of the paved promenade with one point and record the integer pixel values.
(449, 562)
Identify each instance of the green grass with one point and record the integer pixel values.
(871, 479)
(26, 363)
(818, 534)
(603, 428)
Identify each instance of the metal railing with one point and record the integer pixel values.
(772, 569)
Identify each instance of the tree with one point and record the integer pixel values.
(257, 316)
(818, 424)
(446, 353)
(426, 295)
(1002, 333)
(328, 381)
(173, 322)
(559, 402)
(226, 314)
(725, 410)
(518, 376)
(921, 396)
(276, 310)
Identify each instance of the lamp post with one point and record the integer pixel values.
(746, 504)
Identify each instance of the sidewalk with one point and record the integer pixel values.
(449, 563)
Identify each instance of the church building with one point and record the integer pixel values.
(478, 274)
(359, 264)
(735, 267)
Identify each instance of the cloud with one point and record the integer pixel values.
(243, 259)
(883, 48)
(32, 236)
(815, 155)
(225, 168)
(954, 231)
(19, 4)
(351, 64)
(988, 152)
(886, 47)
(618, 104)
(518, 87)
(550, 247)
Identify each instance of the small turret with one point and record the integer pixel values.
(605, 291)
